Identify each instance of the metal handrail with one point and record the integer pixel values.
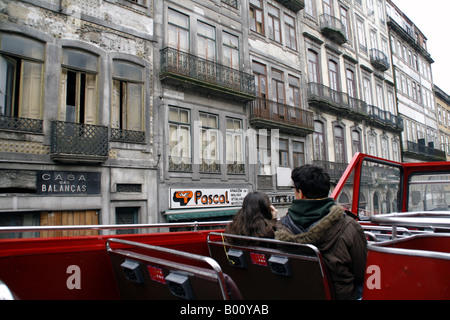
(194, 225)
(192, 256)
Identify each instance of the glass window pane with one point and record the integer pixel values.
(22, 46)
(128, 71)
(80, 59)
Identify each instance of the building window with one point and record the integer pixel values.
(367, 85)
(278, 86)
(126, 216)
(319, 141)
(21, 76)
(256, 16)
(231, 50)
(310, 7)
(334, 80)
(260, 72)
(346, 21)
(372, 144)
(178, 35)
(396, 150)
(339, 147)
(356, 141)
(290, 33)
(235, 146)
(210, 143)
(361, 35)
(380, 97)
(384, 147)
(179, 139)
(79, 93)
(294, 95)
(313, 66)
(274, 24)
(206, 41)
(298, 153)
(351, 87)
(128, 96)
(264, 155)
(283, 153)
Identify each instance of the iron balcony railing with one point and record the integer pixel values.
(21, 124)
(385, 117)
(342, 102)
(333, 28)
(79, 141)
(336, 98)
(281, 113)
(424, 150)
(206, 73)
(130, 136)
(379, 60)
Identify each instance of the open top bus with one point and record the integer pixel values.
(402, 207)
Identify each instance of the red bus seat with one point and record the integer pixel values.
(270, 269)
(150, 272)
(410, 268)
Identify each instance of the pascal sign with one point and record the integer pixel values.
(198, 198)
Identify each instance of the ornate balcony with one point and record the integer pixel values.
(333, 28)
(324, 98)
(268, 114)
(379, 60)
(76, 142)
(423, 152)
(385, 118)
(339, 103)
(182, 67)
(294, 5)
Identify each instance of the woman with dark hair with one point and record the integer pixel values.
(256, 218)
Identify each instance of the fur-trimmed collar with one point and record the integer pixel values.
(316, 234)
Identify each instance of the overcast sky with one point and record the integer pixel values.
(432, 17)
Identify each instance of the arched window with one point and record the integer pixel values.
(319, 141)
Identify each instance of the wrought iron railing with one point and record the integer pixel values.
(177, 62)
(210, 166)
(333, 28)
(236, 168)
(385, 117)
(79, 139)
(21, 124)
(337, 98)
(131, 136)
(424, 150)
(379, 60)
(282, 113)
(180, 164)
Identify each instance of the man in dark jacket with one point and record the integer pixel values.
(316, 219)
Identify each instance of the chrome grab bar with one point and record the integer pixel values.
(192, 256)
(194, 225)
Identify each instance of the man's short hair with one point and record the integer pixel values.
(312, 181)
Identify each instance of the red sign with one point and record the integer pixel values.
(259, 259)
(156, 274)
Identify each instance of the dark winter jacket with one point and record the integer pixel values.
(339, 238)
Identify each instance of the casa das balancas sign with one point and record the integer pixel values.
(68, 183)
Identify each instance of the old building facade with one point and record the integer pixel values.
(414, 83)
(76, 121)
(145, 111)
